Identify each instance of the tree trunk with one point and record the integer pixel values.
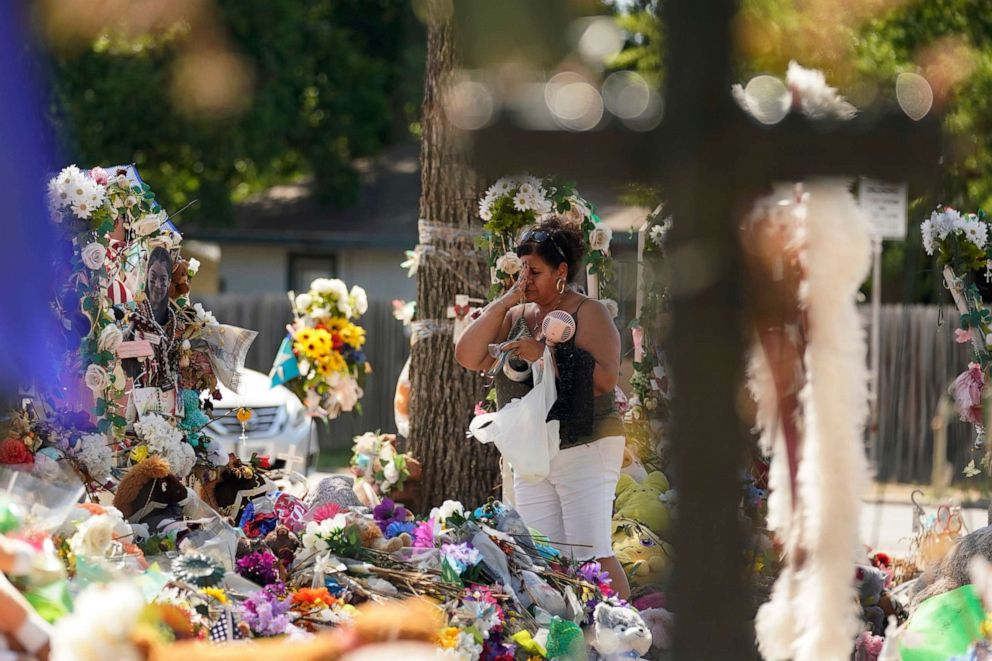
(443, 394)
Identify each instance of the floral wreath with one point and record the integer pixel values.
(961, 245)
(516, 202)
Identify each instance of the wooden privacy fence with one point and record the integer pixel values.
(387, 348)
(919, 361)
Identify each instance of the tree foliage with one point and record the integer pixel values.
(333, 81)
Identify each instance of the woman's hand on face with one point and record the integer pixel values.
(515, 294)
(526, 347)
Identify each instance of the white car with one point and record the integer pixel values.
(279, 427)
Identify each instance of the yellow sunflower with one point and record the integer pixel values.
(353, 335)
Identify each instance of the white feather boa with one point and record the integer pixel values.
(813, 613)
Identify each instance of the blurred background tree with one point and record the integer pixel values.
(323, 83)
(862, 47)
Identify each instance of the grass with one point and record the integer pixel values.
(333, 458)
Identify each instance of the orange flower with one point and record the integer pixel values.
(313, 597)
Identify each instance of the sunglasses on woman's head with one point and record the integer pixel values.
(540, 236)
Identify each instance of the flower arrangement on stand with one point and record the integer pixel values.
(513, 203)
(322, 358)
(960, 243)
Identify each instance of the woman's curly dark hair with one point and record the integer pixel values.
(565, 243)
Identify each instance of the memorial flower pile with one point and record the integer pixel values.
(376, 461)
(322, 358)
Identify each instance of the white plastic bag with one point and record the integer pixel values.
(519, 430)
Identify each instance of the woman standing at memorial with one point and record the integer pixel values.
(573, 505)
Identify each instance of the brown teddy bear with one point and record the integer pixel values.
(372, 537)
(180, 279)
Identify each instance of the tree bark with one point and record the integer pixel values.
(443, 394)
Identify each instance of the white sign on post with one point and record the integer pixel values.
(884, 204)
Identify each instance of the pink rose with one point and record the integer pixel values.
(967, 390)
(962, 336)
(99, 175)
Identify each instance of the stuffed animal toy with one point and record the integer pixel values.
(632, 465)
(565, 641)
(871, 584)
(618, 633)
(283, 544)
(372, 537)
(179, 286)
(337, 489)
(230, 488)
(150, 494)
(661, 624)
(644, 556)
(640, 502)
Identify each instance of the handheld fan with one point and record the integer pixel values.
(558, 326)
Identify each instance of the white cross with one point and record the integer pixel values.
(291, 458)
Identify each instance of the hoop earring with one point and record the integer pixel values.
(560, 285)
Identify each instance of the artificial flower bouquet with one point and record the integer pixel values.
(514, 203)
(322, 358)
(376, 461)
(960, 243)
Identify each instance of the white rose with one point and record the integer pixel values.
(509, 263)
(391, 473)
(193, 266)
(94, 537)
(359, 300)
(611, 307)
(148, 223)
(110, 338)
(303, 302)
(599, 238)
(94, 255)
(96, 378)
(320, 313)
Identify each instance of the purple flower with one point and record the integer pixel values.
(265, 613)
(259, 566)
(388, 512)
(593, 573)
(460, 556)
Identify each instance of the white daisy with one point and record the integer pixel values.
(977, 232)
(502, 186)
(521, 201)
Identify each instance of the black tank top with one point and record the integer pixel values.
(584, 417)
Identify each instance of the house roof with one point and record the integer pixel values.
(384, 215)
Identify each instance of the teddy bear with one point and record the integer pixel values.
(372, 537)
(617, 633)
(640, 501)
(644, 556)
(179, 285)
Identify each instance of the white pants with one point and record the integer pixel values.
(573, 506)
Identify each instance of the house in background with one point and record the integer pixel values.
(283, 239)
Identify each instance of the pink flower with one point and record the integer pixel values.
(326, 511)
(478, 409)
(962, 336)
(967, 391)
(423, 535)
(99, 175)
